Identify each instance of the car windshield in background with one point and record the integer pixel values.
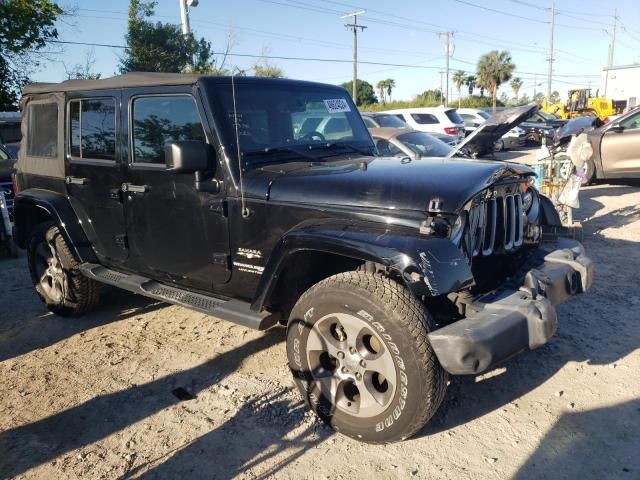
(453, 116)
(285, 117)
(546, 116)
(484, 115)
(390, 121)
(424, 144)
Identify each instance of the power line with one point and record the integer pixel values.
(501, 12)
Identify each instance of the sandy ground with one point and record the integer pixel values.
(95, 397)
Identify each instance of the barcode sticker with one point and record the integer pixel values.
(337, 105)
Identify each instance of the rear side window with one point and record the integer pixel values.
(424, 118)
(369, 123)
(391, 121)
(42, 130)
(92, 128)
(157, 121)
(453, 116)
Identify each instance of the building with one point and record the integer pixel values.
(622, 84)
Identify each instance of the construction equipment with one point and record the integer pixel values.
(580, 103)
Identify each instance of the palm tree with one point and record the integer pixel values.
(494, 69)
(458, 80)
(381, 85)
(516, 85)
(390, 84)
(471, 82)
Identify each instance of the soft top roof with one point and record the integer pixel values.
(150, 79)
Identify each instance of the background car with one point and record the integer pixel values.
(6, 167)
(381, 120)
(406, 142)
(472, 118)
(432, 120)
(616, 149)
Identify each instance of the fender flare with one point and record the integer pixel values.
(428, 265)
(58, 208)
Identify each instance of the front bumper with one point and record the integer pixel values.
(504, 323)
(514, 142)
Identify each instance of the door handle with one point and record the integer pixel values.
(76, 181)
(128, 187)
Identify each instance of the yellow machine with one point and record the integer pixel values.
(580, 103)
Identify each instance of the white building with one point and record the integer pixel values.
(622, 84)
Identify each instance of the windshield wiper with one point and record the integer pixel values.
(268, 151)
(336, 145)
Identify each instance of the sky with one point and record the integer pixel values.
(403, 33)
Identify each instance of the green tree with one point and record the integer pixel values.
(267, 69)
(524, 100)
(389, 84)
(555, 97)
(494, 69)
(430, 98)
(381, 87)
(25, 29)
(516, 85)
(458, 80)
(471, 82)
(83, 71)
(161, 47)
(538, 98)
(366, 94)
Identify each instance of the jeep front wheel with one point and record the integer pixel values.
(358, 349)
(56, 276)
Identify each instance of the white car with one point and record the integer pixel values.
(432, 120)
(472, 118)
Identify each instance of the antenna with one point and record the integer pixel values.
(243, 205)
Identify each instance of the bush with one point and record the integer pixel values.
(476, 101)
(473, 101)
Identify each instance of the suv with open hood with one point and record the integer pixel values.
(260, 201)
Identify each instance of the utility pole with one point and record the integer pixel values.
(535, 85)
(354, 27)
(184, 17)
(611, 48)
(553, 24)
(447, 52)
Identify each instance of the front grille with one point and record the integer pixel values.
(495, 225)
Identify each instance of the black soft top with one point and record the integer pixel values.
(152, 79)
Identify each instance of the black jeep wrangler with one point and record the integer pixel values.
(261, 201)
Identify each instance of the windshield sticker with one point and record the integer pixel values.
(337, 105)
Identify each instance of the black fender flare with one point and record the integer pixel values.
(36, 202)
(428, 265)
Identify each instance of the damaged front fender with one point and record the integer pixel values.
(428, 265)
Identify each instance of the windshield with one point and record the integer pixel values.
(484, 115)
(546, 115)
(390, 121)
(453, 116)
(424, 144)
(285, 116)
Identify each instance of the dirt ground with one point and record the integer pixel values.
(96, 397)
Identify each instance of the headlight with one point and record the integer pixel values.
(527, 200)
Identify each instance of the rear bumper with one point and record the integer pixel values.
(503, 324)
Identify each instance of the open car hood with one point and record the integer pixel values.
(575, 127)
(481, 140)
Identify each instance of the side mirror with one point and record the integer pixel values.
(188, 156)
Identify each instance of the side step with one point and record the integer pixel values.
(235, 311)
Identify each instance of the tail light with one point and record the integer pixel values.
(451, 131)
(14, 183)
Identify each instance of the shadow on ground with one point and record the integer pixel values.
(33, 444)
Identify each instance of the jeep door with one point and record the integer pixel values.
(94, 173)
(620, 148)
(175, 231)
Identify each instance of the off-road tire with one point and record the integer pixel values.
(79, 294)
(401, 322)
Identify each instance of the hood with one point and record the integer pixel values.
(576, 126)
(482, 139)
(381, 182)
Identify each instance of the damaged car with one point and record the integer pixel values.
(389, 275)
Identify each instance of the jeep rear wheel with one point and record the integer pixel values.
(56, 276)
(358, 349)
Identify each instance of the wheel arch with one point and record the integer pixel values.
(426, 265)
(34, 206)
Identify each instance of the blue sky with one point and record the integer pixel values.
(402, 32)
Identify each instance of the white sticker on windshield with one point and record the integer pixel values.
(337, 105)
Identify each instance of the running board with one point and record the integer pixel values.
(235, 311)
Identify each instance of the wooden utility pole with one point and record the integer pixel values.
(553, 24)
(354, 27)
